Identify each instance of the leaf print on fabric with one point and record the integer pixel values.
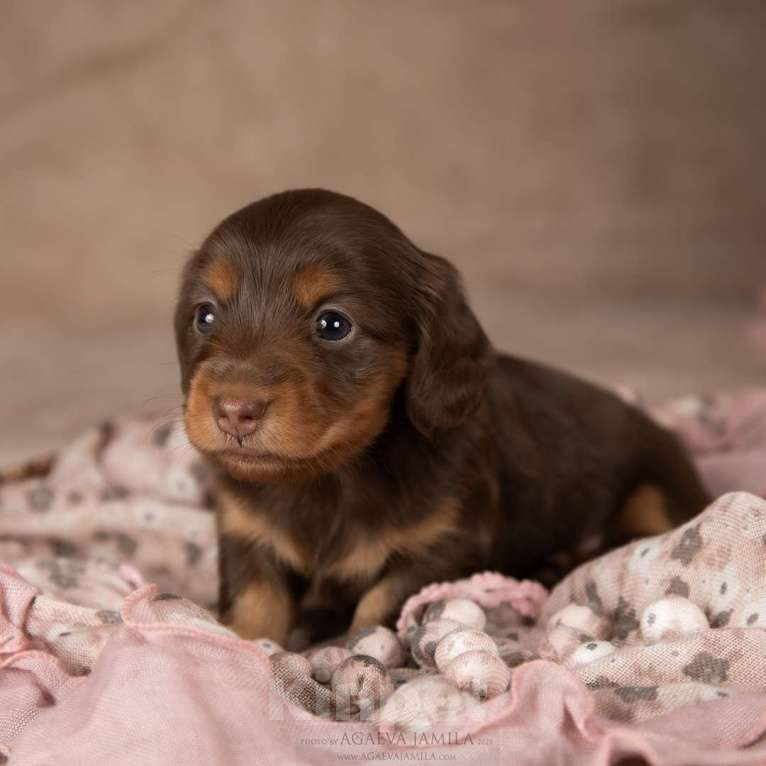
(690, 545)
(707, 668)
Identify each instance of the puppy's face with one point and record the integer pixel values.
(298, 319)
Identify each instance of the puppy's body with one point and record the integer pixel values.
(578, 456)
(404, 452)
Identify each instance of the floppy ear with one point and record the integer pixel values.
(450, 369)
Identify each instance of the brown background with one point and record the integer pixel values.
(596, 169)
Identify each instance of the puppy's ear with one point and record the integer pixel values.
(450, 368)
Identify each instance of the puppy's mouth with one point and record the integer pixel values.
(245, 453)
(249, 455)
(253, 464)
(254, 459)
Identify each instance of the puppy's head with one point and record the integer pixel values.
(300, 318)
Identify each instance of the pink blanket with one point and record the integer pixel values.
(96, 666)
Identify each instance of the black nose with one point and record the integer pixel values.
(239, 417)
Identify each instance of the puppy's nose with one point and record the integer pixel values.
(239, 417)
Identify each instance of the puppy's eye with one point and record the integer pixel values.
(332, 325)
(204, 317)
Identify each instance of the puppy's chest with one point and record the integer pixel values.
(345, 544)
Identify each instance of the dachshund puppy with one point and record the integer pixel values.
(370, 441)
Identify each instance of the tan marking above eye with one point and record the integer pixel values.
(313, 283)
(370, 555)
(222, 276)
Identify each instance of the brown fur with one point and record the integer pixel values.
(407, 452)
(245, 523)
(368, 556)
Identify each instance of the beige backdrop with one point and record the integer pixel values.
(597, 170)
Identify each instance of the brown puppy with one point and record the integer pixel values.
(369, 441)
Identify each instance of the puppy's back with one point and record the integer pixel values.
(572, 457)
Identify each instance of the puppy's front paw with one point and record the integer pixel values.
(261, 611)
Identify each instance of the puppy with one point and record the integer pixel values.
(370, 441)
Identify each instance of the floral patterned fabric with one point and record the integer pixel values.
(85, 641)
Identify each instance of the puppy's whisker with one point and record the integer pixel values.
(176, 449)
(169, 417)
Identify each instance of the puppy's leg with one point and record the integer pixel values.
(448, 555)
(255, 601)
(669, 492)
(380, 605)
(669, 468)
(645, 513)
(324, 612)
(262, 610)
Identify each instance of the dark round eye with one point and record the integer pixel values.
(204, 317)
(332, 325)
